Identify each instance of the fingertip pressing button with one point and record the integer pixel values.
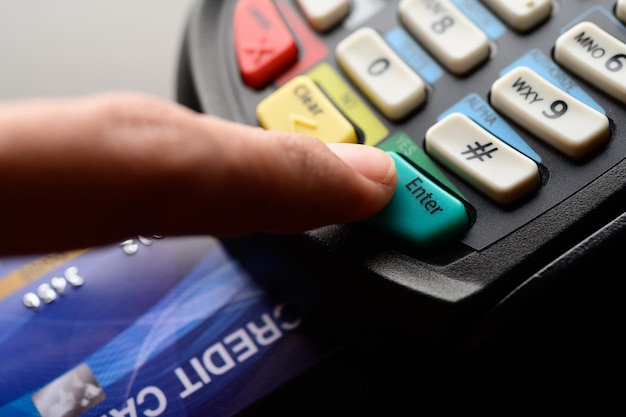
(420, 212)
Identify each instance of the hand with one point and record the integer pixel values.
(80, 172)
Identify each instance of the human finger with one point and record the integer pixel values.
(94, 170)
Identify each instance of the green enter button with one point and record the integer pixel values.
(420, 212)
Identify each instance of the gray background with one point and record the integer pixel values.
(74, 47)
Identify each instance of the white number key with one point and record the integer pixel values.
(386, 80)
(620, 10)
(450, 36)
(549, 113)
(324, 14)
(594, 55)
(521, 15)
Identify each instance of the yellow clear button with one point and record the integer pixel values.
(300, 106)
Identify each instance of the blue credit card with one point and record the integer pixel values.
(153, 326)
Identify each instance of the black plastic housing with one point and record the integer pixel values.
(544, 289)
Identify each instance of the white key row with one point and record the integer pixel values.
(446, 32)
(523, 96)
(492, 166)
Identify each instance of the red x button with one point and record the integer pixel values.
(263, 44)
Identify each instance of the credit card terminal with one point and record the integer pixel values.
(506, 120)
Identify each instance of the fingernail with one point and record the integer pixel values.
(370, 162)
